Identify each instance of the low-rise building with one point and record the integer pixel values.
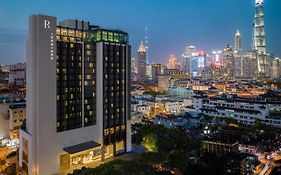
(184, 120)
(170, 121)
(136, 117)
(12, 116)
(265, 108)
(164, 82)
(17, 74)
(173, 106)
(17, 115)
(220, 147)
(180, 92)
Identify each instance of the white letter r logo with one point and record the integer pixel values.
(47, 24)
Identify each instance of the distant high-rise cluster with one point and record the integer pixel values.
(230, 63)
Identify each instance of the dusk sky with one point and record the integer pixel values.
(172, 24)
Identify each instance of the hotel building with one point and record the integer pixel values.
(78, 95)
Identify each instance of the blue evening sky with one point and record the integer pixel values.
(172, 24)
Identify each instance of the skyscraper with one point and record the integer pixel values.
(229, 63)
(78, 95)
(259, 43)
(198, 65)
(237, 43)
(141, 63)
(249, 65)
(146, 44)
(237, 52)
(173, 63)
(187, 58)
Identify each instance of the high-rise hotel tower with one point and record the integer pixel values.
(78, 95)
(259, 43)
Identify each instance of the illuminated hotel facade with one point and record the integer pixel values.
(78, 95)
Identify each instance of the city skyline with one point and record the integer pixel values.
(213, 30)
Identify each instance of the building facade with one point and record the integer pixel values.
(249, 65)
(78, 95)
(173, 63)
(246, 111)
(17, 74)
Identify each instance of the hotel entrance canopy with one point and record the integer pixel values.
(81, 147)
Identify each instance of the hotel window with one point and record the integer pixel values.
(104, 35)
(89, 52)
(91, 65)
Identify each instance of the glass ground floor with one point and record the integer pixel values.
(79, 156)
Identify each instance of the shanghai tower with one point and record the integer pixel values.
(259, 43)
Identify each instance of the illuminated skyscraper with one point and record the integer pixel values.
(229, 63)
(146, 44)
(259, 43)
(237, 52)
(187, 58)
(173, 63)
(237, 43)
(141, 63)
(198, 65)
